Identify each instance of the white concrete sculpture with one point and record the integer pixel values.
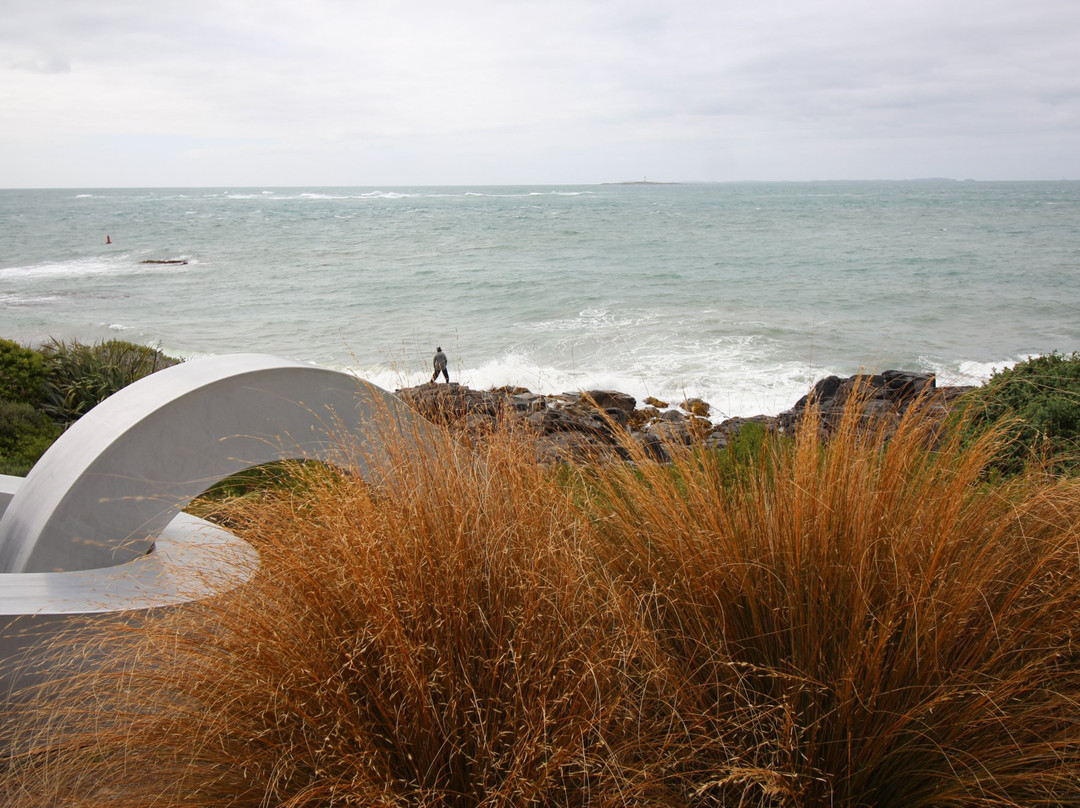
(118, 475)
(96, 527)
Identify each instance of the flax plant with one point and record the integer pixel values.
(80, 376)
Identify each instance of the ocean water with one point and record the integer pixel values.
(741, 294)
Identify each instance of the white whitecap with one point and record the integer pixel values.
(76, 268)
(22, 300)
(969, 372)
(733, 383)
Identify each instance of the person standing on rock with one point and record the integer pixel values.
(440, 366)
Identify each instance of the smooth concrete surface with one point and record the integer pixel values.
(95, 533)
(191, 559)
(120, 474)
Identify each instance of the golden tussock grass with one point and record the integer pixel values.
(843, 623)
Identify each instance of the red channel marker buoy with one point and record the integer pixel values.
(108, 240)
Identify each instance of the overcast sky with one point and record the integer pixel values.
(375, 92)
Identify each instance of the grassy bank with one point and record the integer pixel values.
(857, 623)
(44, 390)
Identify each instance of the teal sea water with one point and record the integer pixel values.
(741, 294)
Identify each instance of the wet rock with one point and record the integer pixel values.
(731, 428)
(680, 429)
(884, 398)
(671, 416)
(611, 399)
(653, 447)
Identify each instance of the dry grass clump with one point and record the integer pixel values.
(844, 624)
(445, 640)
(862, 621)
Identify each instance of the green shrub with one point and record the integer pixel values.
(1040, 401)
(265, 480)
(747, 449)
(22, 373)
(25, 434)
(80, 376)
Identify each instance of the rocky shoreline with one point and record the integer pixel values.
(580, 426)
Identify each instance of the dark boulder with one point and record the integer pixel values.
(606, 424)
(611, 400)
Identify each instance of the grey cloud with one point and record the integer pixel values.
(47, 64)
(524, 79)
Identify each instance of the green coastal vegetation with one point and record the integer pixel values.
(848, 617)
(43, 389)
(1040, 401)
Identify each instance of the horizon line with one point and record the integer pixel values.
(607, 183)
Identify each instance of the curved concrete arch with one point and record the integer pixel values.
(96, 528)
(192, 559)
(120, 474)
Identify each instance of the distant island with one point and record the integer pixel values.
(914, 180)
(641, 182)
